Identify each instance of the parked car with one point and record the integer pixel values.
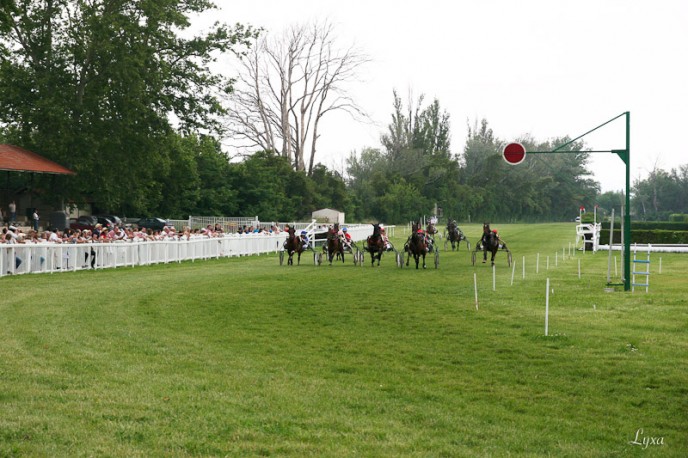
(89, 222)
(84, 222)
(152, 223)
(114, 219)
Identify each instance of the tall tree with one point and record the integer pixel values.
(660, 194)
(286, 87)
(92, 84)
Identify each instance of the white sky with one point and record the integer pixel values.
(541, 67)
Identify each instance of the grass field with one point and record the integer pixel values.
(243, 357)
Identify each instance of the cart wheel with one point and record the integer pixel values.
(281, 257)
(437, 259)
(508, 257)
(473, 257)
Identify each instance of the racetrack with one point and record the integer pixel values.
(244, 357)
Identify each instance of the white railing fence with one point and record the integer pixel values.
(66, 257)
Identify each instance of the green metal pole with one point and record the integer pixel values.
(627, 213)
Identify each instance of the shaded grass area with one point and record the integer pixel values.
(244, 357)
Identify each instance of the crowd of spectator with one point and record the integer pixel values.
(100, 234)
(14, 234)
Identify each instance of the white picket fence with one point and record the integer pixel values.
(66, 257)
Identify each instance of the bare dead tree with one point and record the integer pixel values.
(286, 86)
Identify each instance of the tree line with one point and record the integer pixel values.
(119, 92)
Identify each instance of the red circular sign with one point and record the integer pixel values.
(514, 153)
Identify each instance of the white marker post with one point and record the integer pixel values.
(556, 259)
(537, 264)
(494, 288)
(475, 287)
(547, 309)
(513, 271)
(524, 267)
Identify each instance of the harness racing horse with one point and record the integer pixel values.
(417, 245)
(455, 235)
(489, 242)
(293, 245)
(334, 244)
(375, 245)
(431, 230)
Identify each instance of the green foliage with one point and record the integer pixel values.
(661, 194)
(91, 85)
(678, 217)
(649, 236)
(652, 225)
(477, 185)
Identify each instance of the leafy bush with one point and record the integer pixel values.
(651, 225)
(647, 236)
(678, 218)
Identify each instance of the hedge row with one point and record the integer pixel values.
(646, 236)
(650, 225)
(678, 217)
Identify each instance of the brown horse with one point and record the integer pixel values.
(293, 245)
(431, 229)
(334, 244)
(375, 245)
(489, 242)
(417, 245)
(455, 235)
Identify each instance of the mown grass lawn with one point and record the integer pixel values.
(243, 357)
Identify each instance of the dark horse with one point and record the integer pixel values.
(431, 230)
(417, 245)
(489, 242)
(293, 245)
(334, 244)
(375, 245)
(454, 234)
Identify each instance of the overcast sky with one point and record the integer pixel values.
(540, 67)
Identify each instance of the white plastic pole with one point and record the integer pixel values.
(475, 287)
(616, 272)
(513, 271)
(524, 267)
(494, 287)
(556, 259)
(611, 243)
(547, 309)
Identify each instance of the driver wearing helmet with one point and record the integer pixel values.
(346, 237)
(305, 240)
